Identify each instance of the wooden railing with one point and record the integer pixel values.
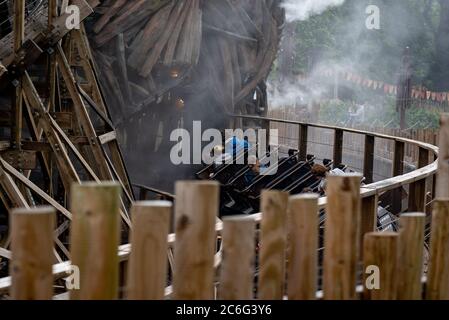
(427, 165)
(349, 238)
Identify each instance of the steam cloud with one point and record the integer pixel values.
(302, 9)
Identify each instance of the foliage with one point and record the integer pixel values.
(339, 38)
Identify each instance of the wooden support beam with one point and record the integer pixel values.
(398, 158)
(381, 252)
(94, 239)
(368, 159)
(108, 137)
(123, 75)
(438, 272)
(368, 222)
(410, 265)
(37, 30)
(82, 116)
(19, 24)
(238, 249)
(398, 169)
(20, 177)
(196, 210)
(12, 190)
(32, 253)
(65, 166)
(273, 241)
(303, 247)
(338, 147)
(442, 189)
(19, 35)
(341, 237)
(3, 69)
(52, 11)
(303, 137)
(147, 269)
(417, 193)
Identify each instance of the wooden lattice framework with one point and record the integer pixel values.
(59, 126)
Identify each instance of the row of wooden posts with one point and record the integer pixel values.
(288, 248)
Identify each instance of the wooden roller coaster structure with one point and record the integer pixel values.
(56, 92)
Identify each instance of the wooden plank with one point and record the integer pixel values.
(442, 189)
(19, 35)
(338, 147)
(438, 272)
(368, 158)
(398, 169)
(410, 265)
(341, 235)
(3, 70)
(273, 241)
(107, 137)
(303, 137)
(21, 159)
(19, 24)
(196, 209)
(156, 51)
(417, 193)
(105, 18)
(94, 239)
(64, 119)
(303, 247)
(132, 13)
(238, 250)
(32, 253)
(381, 251)
(368, 222)
(147, 269)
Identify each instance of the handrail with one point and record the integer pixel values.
(379, 187)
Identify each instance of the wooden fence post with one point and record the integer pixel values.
(442, 179)
(438, 274)
(303, 247)
(341, 236)
(368, 159)
(147, 270)
(94, 239)
(273, 240)
(411, 246)
(381, 252)
(196, 209)
(237, 270)
(338, 147)
(368, 220)
(32, 253)
(303, 137)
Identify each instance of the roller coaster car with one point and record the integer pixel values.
(242, 184)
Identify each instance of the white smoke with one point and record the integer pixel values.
(301, 10)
